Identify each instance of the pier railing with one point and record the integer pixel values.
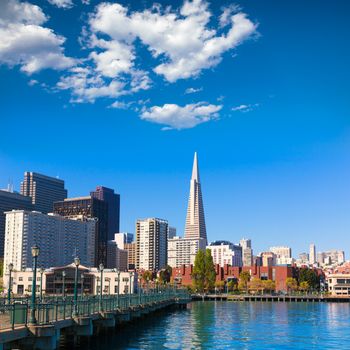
(54, 309)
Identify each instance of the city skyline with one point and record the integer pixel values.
(274, 159)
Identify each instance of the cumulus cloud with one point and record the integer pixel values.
(178, 117)
(62, 3)
(181, 40)
(25, 42)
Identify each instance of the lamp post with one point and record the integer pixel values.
(9, 290)
(35, 254)
(41, 271)
(82, 284)
(109, 285)
(75, 309)
(118, 287)
(139, 287)
(101, 267)
(64, 284)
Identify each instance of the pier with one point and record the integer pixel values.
(56, 316)
(272, 298)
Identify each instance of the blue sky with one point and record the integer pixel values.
(121, 94)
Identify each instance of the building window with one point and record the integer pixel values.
(20, 278)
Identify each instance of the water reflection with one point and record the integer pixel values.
(230, 325)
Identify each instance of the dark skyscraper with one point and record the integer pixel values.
(89, 207)
(113, 200)
(44, 191)
(9, 201)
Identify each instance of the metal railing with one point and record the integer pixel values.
(53, 309)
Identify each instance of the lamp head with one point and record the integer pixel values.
(76, 261)
(10, 266)
(101, 267)
(35, 251)
(41, 270)
(63, 273)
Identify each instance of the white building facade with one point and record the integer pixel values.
(58, 238)
(226, 253)
(182, 251)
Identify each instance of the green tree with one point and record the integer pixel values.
(1, 267)
(220, 286)
(304, 286)
(244, 278)
(165, 274)
(291, 284)
(231, 286)
(310, 276)
(203, 271)
(269, 285)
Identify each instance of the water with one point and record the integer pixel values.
(228, 325)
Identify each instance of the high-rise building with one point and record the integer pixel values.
(247, 251)
(283, 255)
(8, 201)
(43, 190)
(113, 200)
(131, 249)
(183, 251)
(331, 257)
(151, 244)
(89, 207)
(268, 258)
(171, 232)
(116, 258)
(58, 238)
(312, 254)
(303, 258)
(123, 238)
(226, 253)
(195, 221)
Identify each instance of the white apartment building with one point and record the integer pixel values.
(339, 284)
(182, 251)
(123, 238)
(58, 238)
(226, 253)
(151, 244)
(283, 255)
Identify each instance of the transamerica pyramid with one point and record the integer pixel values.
(195, 221)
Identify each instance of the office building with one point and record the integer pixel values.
(151, 244)
(117, 258)
(183, 251)
(331, 257)
(89, 207)
(9, 201)
(123, 238)
(43, 190)
(171, 232)
(195, 221)
(226, 253)
(131, 249)
(59, 239)
(113, 201)
(304, 258)
(247, 251)
(268, 258)
(312, 254)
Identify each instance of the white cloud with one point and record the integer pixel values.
(245, 108)
(177, 117)
(62, 3)
(192, 90)
(182, 39)
(25, 42)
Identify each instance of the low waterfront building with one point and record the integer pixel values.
(183, 251)
(58, 238)
(339, 284)
(226, 253)
(88, 281)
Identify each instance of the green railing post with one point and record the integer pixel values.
(75, 307)
(10, 267)
(101, 287)
(35, 253)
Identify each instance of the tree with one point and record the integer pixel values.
(147, 276)
(304, 286)
(255, 285)
(231, 286)
(310, 276)
(165, 275)
(219, 285)
(203, 271)
(291, 284)
(269, 285)
(244, 278)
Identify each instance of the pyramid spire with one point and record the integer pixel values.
(195, 171)
(195, 221)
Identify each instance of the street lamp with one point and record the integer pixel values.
(41, 271)
(76, 263)
(9, 290)
(63, 284)
(130, 281)
(35, 254)
(101, 267)
(82, 285)
(118, 287)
